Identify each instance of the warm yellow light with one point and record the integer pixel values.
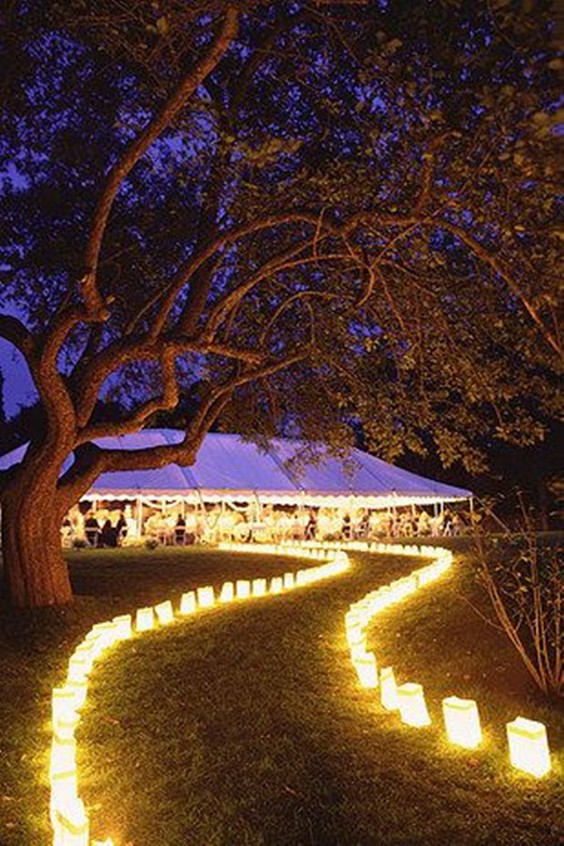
(164, 612)
(79, 667)
(462, 722)
(63, 788)
(63, 707)
(123, 626)
(79, 690)
(188, 603)
(206, 598)
(144, 619)
(367, 670)
(388, 689)
(276, 584)
(71, 824)
(259, 587)
(358, 651)
(411, 704)
(355, 634)
(63, 750)
(528, 746)
(243, 588)
(227, 593)
(105, 634)
(288, 581)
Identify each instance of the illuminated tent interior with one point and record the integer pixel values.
(229, 469)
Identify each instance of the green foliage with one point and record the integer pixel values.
(433, 325)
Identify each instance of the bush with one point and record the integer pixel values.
(151, 543)
(524, 577)
(80, 543)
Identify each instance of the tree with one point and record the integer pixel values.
(308, 218)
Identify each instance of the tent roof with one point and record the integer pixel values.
(228, 465)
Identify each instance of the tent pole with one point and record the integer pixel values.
(138, 516)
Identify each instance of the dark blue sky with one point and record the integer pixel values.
(18, 387)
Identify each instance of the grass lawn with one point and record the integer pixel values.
(246, 726)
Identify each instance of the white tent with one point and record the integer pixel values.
(230, 469)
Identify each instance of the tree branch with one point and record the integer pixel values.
(14, 331)
(498, 267)
(135, 150)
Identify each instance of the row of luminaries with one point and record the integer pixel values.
(528, 745)
(68, 815)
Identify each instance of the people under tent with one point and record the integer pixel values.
(286, 489)
(114, 523)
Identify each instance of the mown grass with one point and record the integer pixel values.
(246, 726)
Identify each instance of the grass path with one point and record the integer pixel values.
(246, 726)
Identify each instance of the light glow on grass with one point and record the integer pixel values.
(528, 744)
(68, 817)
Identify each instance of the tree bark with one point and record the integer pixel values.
(35, 572)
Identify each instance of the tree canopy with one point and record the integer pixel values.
(327, 219)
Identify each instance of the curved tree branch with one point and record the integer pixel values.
(136, 149)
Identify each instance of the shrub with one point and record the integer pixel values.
(523, 574)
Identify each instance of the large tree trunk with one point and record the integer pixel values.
(35, 573)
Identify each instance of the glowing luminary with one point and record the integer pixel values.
(227, 593)
(528, 746)
(63, 788)
(358, 651)
(367, 670)
(355, 634)
(288, 581)
(188, 603)
(388, 689)
(105, 633)
(462, 722)
(71, 824)
(411, 704)
(63, 750)
(79, 690)
(144, 619)
(123, 626)
(63, 707)
(242, 588)
(206, 598)
(276, 585)
(164, 612)
(259, 587)
(79, 666)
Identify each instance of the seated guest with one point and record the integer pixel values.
(91, 529)
(108, 535)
